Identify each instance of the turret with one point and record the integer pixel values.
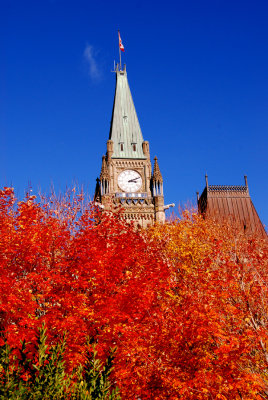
(157, 180)
(110, 149)
(158, 195)
(97, 195)
(145, 148)
(104, 178)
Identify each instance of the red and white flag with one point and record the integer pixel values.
(121, 46)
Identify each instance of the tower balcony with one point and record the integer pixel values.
(125, 195)
(136, 199)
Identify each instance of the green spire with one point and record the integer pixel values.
(125, 131)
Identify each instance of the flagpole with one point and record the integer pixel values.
(120, 66)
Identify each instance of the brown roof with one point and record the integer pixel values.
(231, 203)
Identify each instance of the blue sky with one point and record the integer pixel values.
(198, 75)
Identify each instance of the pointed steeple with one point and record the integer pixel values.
(125, 131)
(157, 176)
(157, 180)
(104, 170)
(104, 178)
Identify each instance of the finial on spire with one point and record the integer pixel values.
(206, 177)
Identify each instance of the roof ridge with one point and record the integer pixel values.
(227, 187)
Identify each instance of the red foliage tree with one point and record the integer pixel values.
(185, 303)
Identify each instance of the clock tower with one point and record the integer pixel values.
(126, 176)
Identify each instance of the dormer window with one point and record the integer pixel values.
(134, 146)
(121, 146)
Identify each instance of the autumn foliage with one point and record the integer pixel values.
(184, 304)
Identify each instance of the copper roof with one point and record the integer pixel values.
(232, 203)
(125, 129)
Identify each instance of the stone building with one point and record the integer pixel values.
(127, 177)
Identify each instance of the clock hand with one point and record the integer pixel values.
(134, 180)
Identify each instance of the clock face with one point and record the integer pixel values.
(129, 181)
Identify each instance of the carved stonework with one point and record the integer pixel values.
(127, 151)
(157, 176)
(104, 170)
